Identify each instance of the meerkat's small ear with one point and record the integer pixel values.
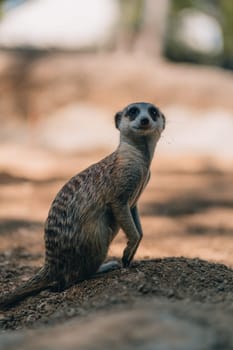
(118, 119)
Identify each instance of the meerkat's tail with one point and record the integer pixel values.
(40, 281)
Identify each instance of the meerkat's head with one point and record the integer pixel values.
(140, 119)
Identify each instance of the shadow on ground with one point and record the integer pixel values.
(8, 226)
(7, 178)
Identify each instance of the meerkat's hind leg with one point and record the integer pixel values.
(109, 266)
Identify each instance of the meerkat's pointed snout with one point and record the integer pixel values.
(144, 121)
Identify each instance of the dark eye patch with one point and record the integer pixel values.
(154, 113)
(132, 113)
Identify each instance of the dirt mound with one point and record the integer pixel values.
(192, 280)
(173, 303)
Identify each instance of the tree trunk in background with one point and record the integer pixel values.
(150, 38)
(129, 24)
(142, 25)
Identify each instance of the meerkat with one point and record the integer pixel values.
(92, 206)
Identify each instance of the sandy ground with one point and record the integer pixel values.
(178, 293)
(182, 269)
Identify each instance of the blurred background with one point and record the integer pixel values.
(67, 66)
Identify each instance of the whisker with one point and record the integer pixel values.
(169, 121)
(166, 139)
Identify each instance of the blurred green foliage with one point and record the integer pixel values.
(222, 11)
(132, 19)
(226, 8)
(1, 3)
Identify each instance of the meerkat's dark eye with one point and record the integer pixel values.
(132, 113)
(154, 113)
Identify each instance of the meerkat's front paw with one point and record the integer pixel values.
(126, 258)
(125, 263)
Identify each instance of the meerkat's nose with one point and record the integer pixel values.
(144, 121)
